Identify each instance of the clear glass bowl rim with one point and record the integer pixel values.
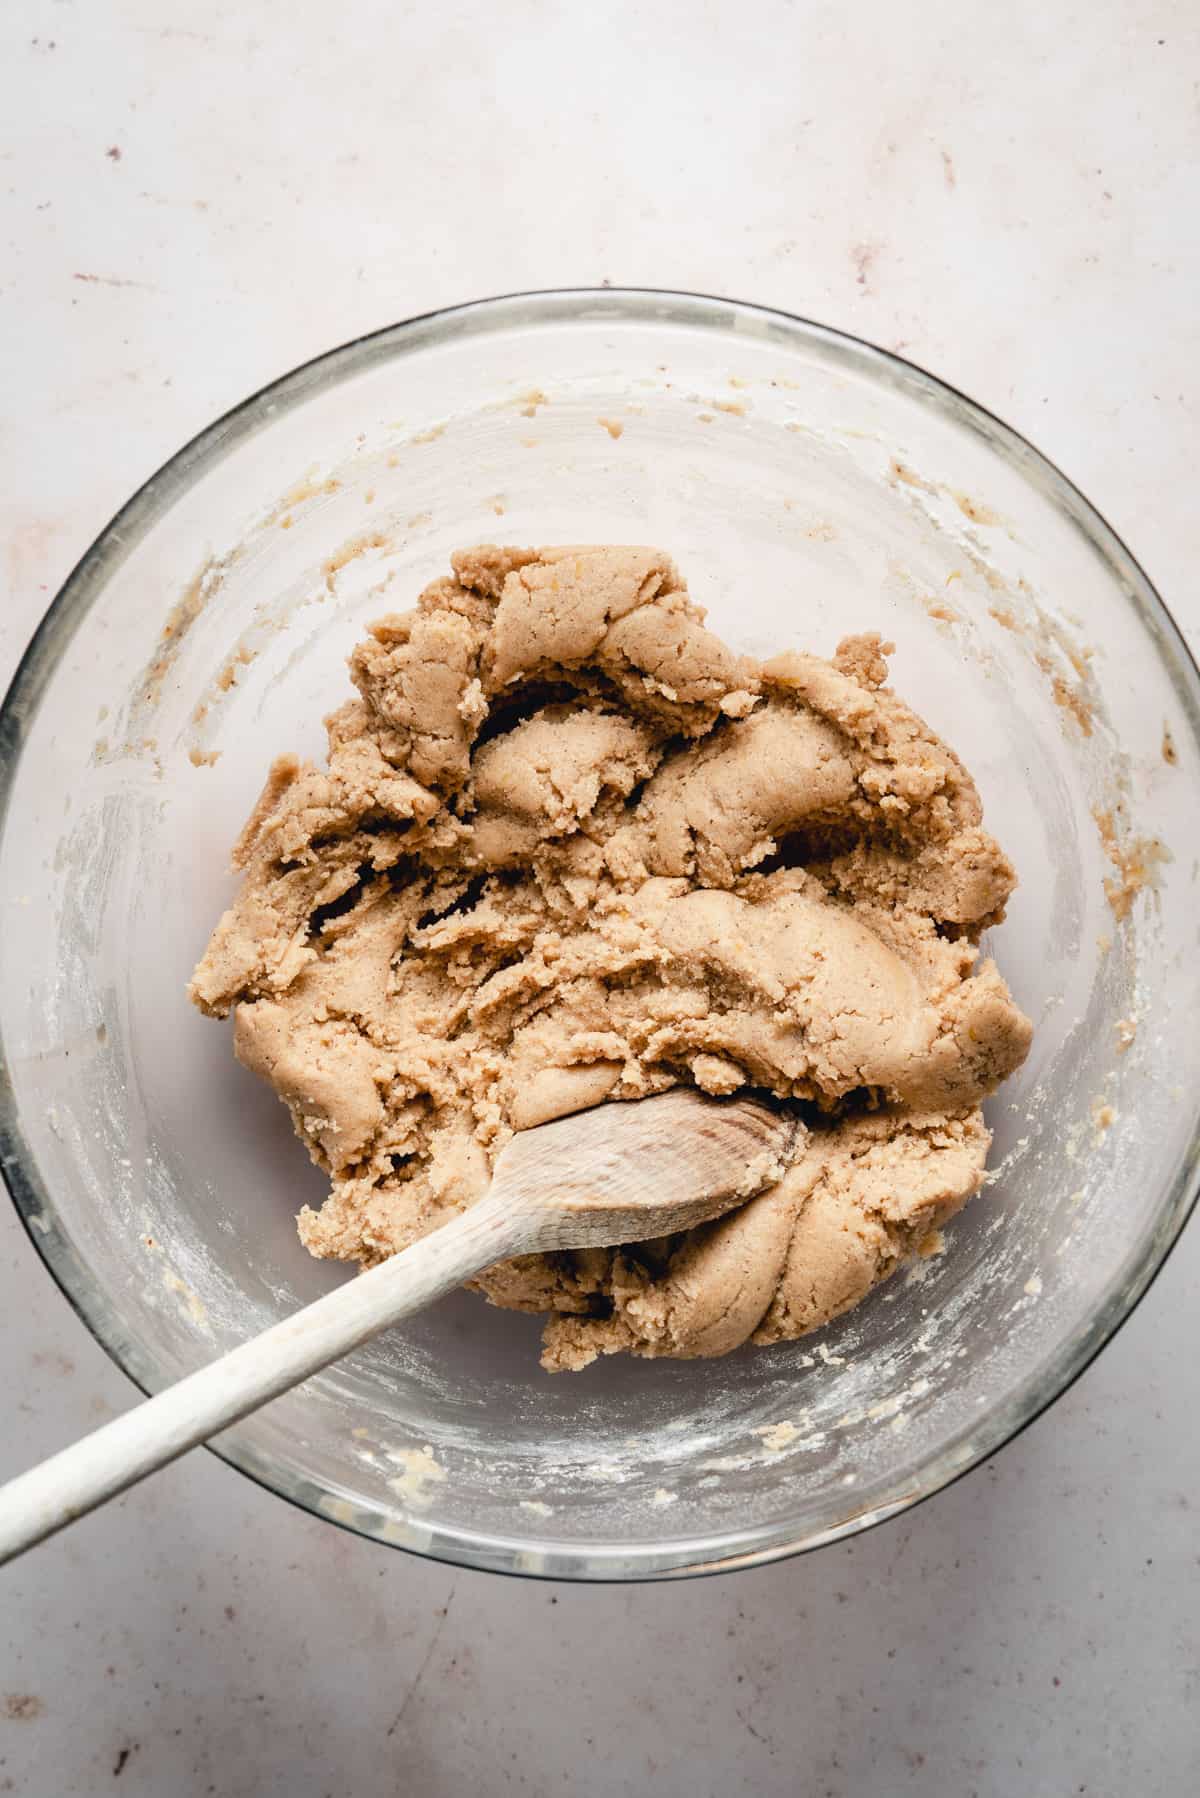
(85, 585)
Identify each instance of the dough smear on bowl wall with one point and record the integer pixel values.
(569, 848)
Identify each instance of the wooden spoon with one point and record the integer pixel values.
(619, 1173)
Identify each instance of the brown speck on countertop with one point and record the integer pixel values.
(739, 408)
(528, 403)
(113, 153)
(122, 1758)
(204, 758)
(1126, 1029)
(613, 426)
(1170, 754)
(21, 1707)
(863, 257)
(114, 281)
(948, 173)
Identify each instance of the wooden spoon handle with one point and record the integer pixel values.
(37, 1503)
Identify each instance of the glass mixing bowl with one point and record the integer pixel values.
(808, 485)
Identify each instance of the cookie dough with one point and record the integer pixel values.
(568, 848)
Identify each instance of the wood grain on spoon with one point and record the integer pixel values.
(620, 1173)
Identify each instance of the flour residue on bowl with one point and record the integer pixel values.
(422, 1473)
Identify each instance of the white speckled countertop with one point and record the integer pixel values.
(189, 209)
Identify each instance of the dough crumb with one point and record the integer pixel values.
(421, 1476)
(1136, 860)
(1072, 701)
(1104, 1116)
(908, 477)
(777, 1436)
(974, 509)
